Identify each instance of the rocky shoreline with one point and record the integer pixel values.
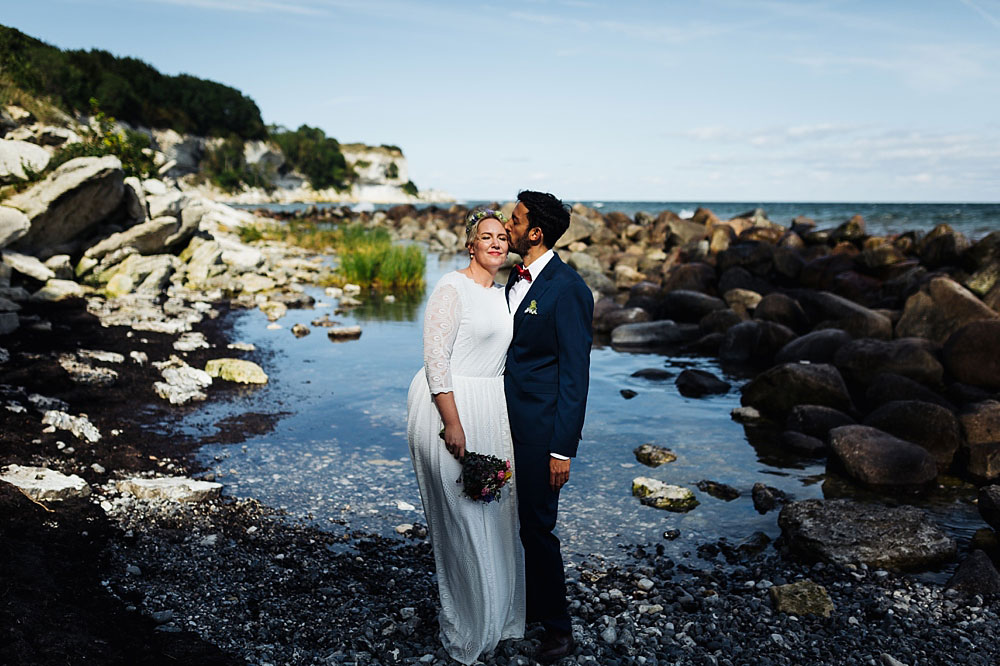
(114, 300)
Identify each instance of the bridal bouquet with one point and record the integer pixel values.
(483, 476)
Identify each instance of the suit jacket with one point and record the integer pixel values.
(548, 362)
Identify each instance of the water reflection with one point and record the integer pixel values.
(339, 457)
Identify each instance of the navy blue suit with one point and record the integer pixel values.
(546, 383)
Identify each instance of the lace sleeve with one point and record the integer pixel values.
(444, 311)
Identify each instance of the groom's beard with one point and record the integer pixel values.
(521, 246)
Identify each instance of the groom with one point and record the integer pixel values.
(546, 381)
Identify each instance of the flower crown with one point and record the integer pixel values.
(476, 215)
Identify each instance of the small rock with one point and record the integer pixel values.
(803, 597)
(300, 330)
(654, 456)
(628, 394)
(662, 495)
(45, 485)
(337, 333)
(236, 370)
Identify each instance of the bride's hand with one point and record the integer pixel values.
(454, 440)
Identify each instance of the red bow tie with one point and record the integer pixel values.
(522, 272)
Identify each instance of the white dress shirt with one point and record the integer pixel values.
(520, 289)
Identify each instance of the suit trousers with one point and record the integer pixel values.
(538, 506)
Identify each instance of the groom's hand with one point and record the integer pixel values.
(558, 473)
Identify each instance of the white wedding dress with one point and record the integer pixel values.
(477, 550)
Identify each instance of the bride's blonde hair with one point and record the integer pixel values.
(477, 215)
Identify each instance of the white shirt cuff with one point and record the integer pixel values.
(558, 456)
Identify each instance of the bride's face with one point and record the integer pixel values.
(489, 247)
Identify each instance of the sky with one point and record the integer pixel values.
(627, 100)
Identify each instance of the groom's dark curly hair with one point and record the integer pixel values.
(546, 212)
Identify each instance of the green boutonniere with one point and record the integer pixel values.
(532, 308)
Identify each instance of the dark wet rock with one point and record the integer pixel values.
(784, 310)
(877, 459)
(777, 390)
(687, 306)
(706, 345)
(833, 311)
(864, 359)
(982, 261)
(816, 420)
(816, 347)
(652, 455)
(819, 273)
(718, 490)
(645, 295)
(803, 444)
(300, 330)
(847, 532)
(972, 354)
(987, 540)
(612, 319)
(718, 321)
(862, 289)
(740, 278)
(976, 575)
(942, 246)
(981, 426)
(766, 498)
(941, 307)
(988, 503)
(753, 544)
(931, 426)
(692, 276)
(878, 253)
(752, 256)
(851, 231)
(628, 394)
(693, 383)
(888, 386)
(754, 342)
(654, 374)
(802, 597)
(788, 261)
(652, 335)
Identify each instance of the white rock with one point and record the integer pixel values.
(405, 506)
(191, 341)
(403, 528)
(174, 488)
(28, 265)
(45, 485)
(55, 291)
(102, 356)
(181, 382)
(78, 425)
(13, 225)
(15, 155)
(154, 187)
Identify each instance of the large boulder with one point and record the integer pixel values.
(888, 386)
(653, 334)
(981, 426)
(71, 200)
(972, 354)
(923, 423)
(27, 265)
(694, 383)
(777, 390)
(862, 360)
(988, 503)
(833, 311)
(976, 575)
(754, 342)
(610, 316)
(687, 306)
(816, 347)
(692, 276)
(13, 225)
(150, 237)
(941, 307)
(877, 459)
(843, 531)
(16, 155)
(782, 309)
(942, 246)
(580, 228)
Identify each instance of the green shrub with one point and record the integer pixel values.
(411, 188)
(225, 165)
(132, 148)
(392, 171)
(316, 156)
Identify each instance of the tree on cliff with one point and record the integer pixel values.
(315, 155)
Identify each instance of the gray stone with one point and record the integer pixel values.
(9, 322)
(56, 291)
(45, 485)
(835, 311)
(687, 306)
(754, 342)
(803, 597)
(878, 459)
(976, 575)
(652, 492)
(580, 228)
(888, 386)
(981, 426)
(848, 532)
(147, 238)
(816, 420)
(694, 383)
(653, 456)
(988, 503)
(71, 200)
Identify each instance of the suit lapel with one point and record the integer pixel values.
(538, 288)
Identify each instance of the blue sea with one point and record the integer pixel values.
(975, 220)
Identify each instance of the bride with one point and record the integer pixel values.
(456, 403)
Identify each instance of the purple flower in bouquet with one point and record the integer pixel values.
(483, 476)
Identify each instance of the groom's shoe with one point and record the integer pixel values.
(555, 646)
